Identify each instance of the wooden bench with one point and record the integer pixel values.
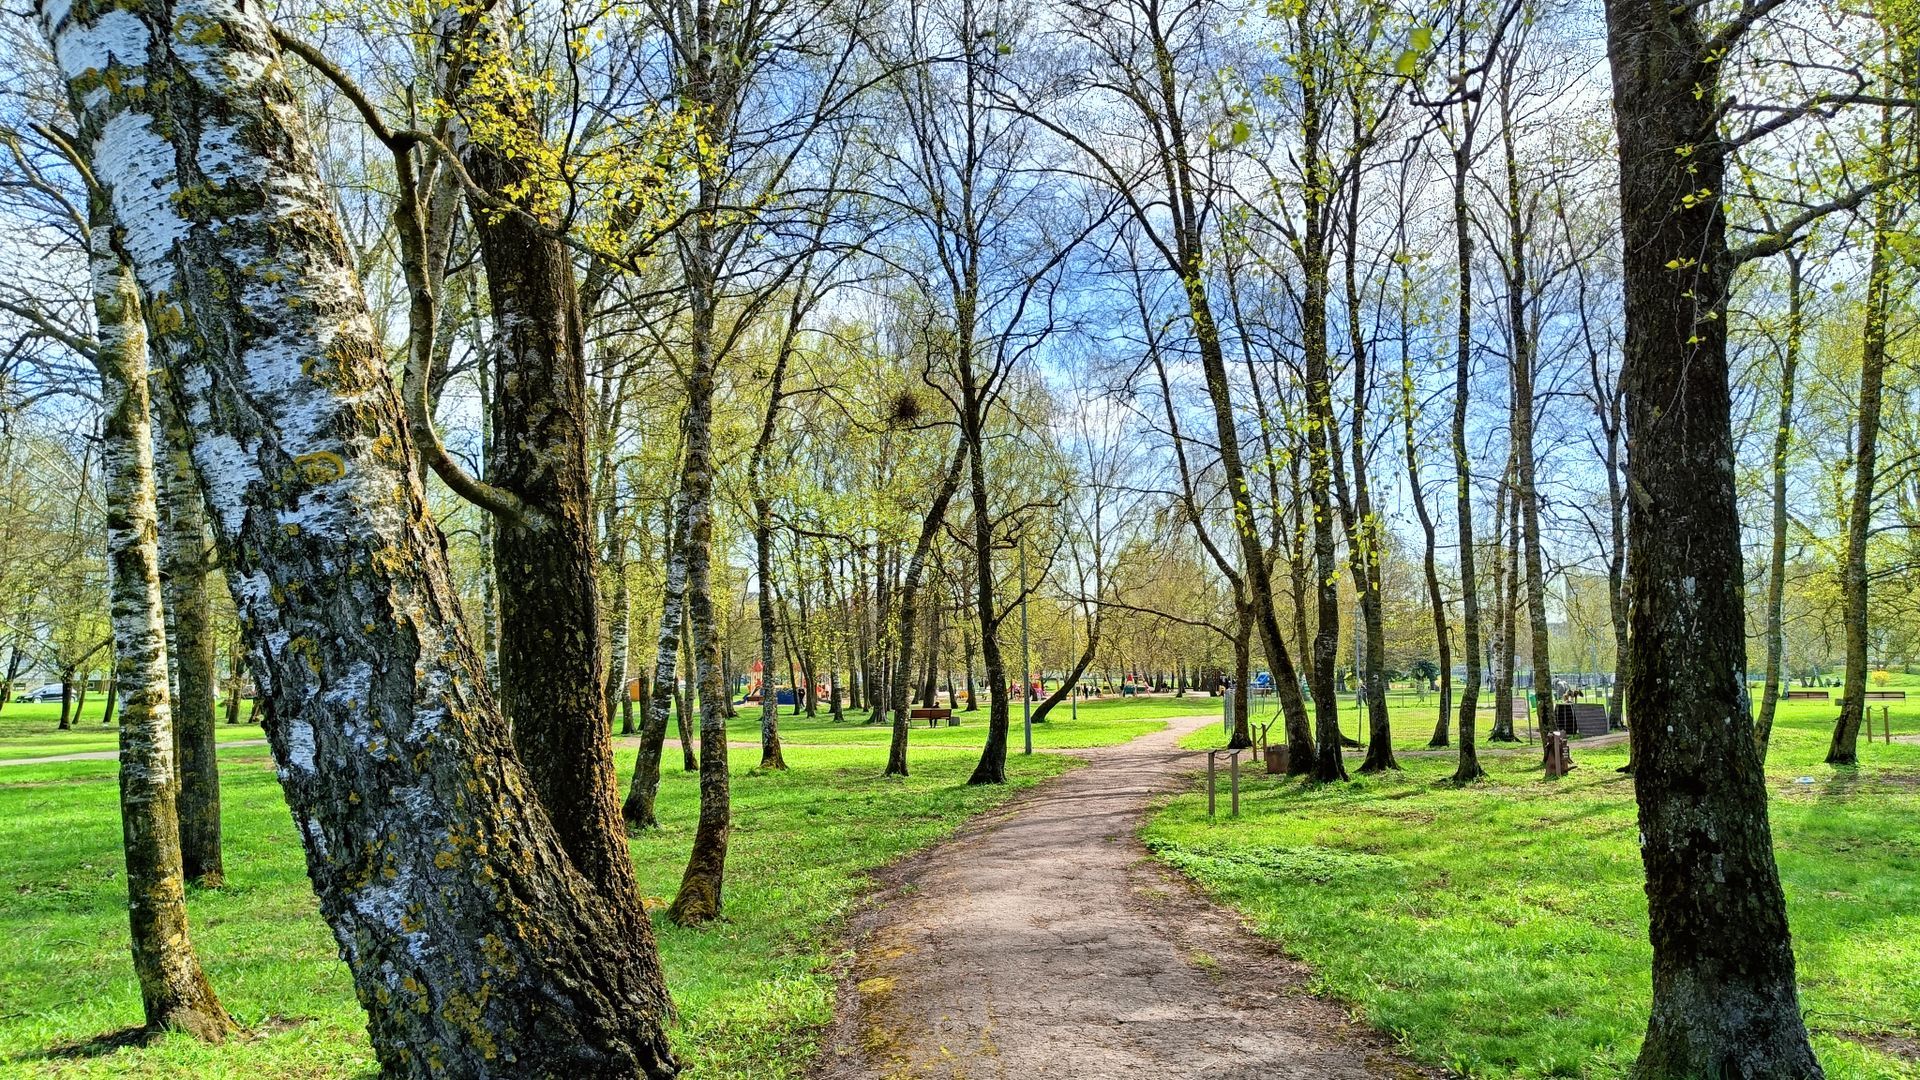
(1811, 695)
(1878, 696)
(1579, 718)
(934, 716)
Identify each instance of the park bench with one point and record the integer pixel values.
(1579, 718)
(934, 716)
(1878, 696)
(1811, 695)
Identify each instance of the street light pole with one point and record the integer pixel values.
(1073, 652)
(1026, 659)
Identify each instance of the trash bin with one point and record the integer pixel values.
(1277, 760)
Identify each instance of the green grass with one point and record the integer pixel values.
(1501, 929)
(752, 990)
(33, 730)
(1102, 722)
(1413, 716)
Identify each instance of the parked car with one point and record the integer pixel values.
(49, 692)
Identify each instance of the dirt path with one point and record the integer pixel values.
(1043, 943)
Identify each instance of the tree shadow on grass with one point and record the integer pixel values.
(98, 1046)
(135, 1037)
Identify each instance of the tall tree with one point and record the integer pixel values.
(1523, 358)
(1364, 532)
(1142, 56)
(471, 936)
(983, 261)
(551, 666)
(1724, 997)
(174, 991)
(1844, 750)
(637, 810)
(1794, 334)
(185, 563)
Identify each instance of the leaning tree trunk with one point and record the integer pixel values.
(173, 991)
(1617, 571)
(1080, 666)
(183, 554)
(1724, 997)
(475, 944)
(909, 591)
(1617, 581)
(1777, 552)
(687, 692)
(992, 767)
(13, 672)
(638, 809)
(1188, 259)
(1436, 600)
(1255, 565)
(1844, 750)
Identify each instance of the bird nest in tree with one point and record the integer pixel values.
(904, 409)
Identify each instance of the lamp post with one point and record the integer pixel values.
(1073, 651)
(1026, 659)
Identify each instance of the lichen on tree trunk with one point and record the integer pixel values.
(174, 991)
(184, 560)
(476, 946)
(551, 667)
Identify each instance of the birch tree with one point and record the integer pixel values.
(475, 944)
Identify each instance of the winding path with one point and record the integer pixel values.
(1043, 943)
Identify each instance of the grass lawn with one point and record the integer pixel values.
(1501, 929)
(1413, 718)
(33, 730)
(752, 990)
(1102, 722)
